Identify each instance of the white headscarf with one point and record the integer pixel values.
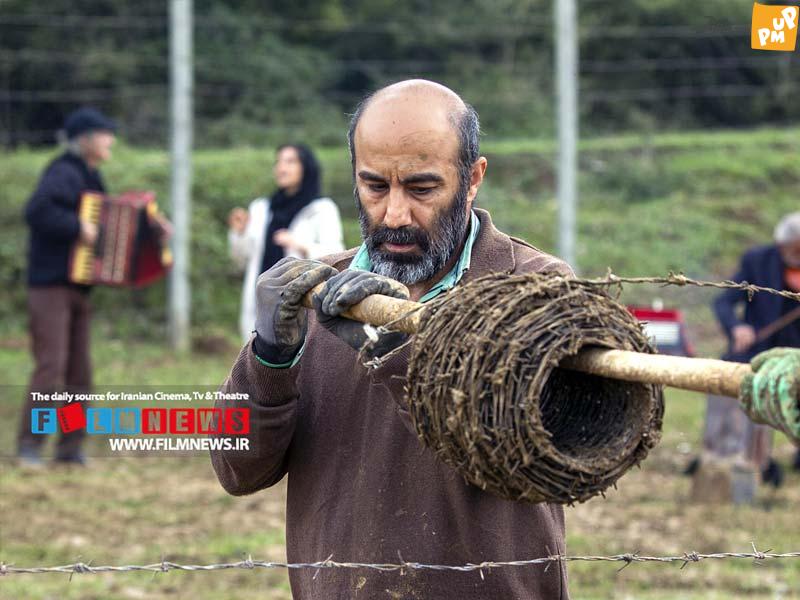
(788, 229)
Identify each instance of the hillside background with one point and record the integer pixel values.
(690, 202)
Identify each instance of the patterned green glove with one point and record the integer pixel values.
(771, 394)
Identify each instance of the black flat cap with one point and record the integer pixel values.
(87, 119)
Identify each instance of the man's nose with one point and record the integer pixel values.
(398, 209)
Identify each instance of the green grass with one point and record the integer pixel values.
(671, 140)
(649, 203)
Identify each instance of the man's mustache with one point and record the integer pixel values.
(403, 235)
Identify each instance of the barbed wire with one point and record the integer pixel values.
(610, 279)
(712, 63)
(497, 28)
(667, 93)
(401, 566)
(679, 279)
(521, 26)
(509, 97)
(665, 31)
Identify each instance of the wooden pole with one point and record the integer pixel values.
(696, 374)
(380, 310)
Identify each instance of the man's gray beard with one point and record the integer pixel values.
(449, 230)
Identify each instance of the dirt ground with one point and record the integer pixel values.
(135, 510)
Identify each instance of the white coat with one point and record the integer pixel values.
(317, 226)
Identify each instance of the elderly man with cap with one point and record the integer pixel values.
(59, 311)
(766, 321)
(360, 485)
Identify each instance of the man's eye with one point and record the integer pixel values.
(421, 191)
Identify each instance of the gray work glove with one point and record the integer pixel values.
(350, 287)
(281, 320)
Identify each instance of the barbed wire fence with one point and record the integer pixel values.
(702, 77)
(681, 280)
(402, 566)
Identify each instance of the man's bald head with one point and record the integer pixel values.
(417, 171)
(416, 104)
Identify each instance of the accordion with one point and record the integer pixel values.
(130, 249)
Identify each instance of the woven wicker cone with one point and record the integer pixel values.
(487, 396)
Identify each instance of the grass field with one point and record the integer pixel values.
(649, 203)
(688, 202)
(137, 510)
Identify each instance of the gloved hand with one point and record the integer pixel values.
(771, 394)
(281, 320)
(350, 287)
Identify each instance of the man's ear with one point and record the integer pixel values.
(476, 177)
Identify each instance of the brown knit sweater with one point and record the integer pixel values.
(361, 486)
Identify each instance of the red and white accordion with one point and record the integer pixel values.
(131, 247)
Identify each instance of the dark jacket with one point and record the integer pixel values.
(52, 215)
(761, 266)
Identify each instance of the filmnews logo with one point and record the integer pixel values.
(141, 421)
(180, 423)
(135, 421)
(774, 27)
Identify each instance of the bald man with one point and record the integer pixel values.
(361, 487)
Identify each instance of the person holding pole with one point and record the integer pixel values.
(753, 326)
(361, 486)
